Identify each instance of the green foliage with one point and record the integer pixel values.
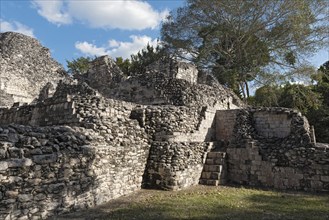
(124, 65)
(79, 65)
(313, 101)
(237, 39)
(299, 97)
(145, 57)
(320, 117)
(323, 82)
(267, 96)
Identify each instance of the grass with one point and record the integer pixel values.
(203, 202)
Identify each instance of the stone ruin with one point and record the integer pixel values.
(82, 142)
(26, 66)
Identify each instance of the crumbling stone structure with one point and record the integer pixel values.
(273, 147)
(26, 67)
(84, 142)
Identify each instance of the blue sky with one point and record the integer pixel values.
(73, 28)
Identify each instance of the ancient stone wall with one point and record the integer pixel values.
(225, 121)
(175, 165)
(180, 139)
(160, 121)
(187, 72)
(175, 69)
(157, 89)
(48, 170)
(102, 74)
(283, 159)
(82, 144)
(26, 67)
(308, 169)
(75, 104)
(271, 125)
(49, 113)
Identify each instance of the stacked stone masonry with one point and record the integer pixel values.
(87, 140)
(26, 67)
(61, 168)
(260, 155)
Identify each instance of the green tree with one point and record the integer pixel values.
(300, 97)
(145, 57)
(124, 65)
(237, 39)
(79, 65)
(267, 96)
(320, 117)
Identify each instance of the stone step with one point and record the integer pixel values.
(212, 182)
(212, 168)
(215, 161)
(211, 175)
(214, 154)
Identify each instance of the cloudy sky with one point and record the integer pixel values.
(73, 28)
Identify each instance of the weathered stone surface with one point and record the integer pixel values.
(262, 152)
(26, 67)
(175, 165)
(103, 74)
(76, 147)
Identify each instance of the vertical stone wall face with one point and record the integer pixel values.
(53, 169)
(59, 112)
(102, 75)
(285, 159)
(225, 121)
(187, 72)
(175, 165)
(50, 170)
(175, 69)
(271, 125)
(180, 139)
(248, 166)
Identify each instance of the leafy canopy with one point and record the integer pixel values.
(237, 39)
(312, 100)
(79, 65)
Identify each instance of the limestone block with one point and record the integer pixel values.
(325, 178)
(3, 165)
(25, 162)
(46, 158)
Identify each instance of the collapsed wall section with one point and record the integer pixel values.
(273, 148)
(26, 67)
(157, 89)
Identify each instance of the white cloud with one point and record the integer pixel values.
(90, 49)
(124, 14)
(53, 11)
(125, 49)
(15, 27)
(117, 48)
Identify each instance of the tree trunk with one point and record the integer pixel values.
(242, 90)
(247, 89)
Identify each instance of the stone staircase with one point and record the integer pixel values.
(214, 169)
